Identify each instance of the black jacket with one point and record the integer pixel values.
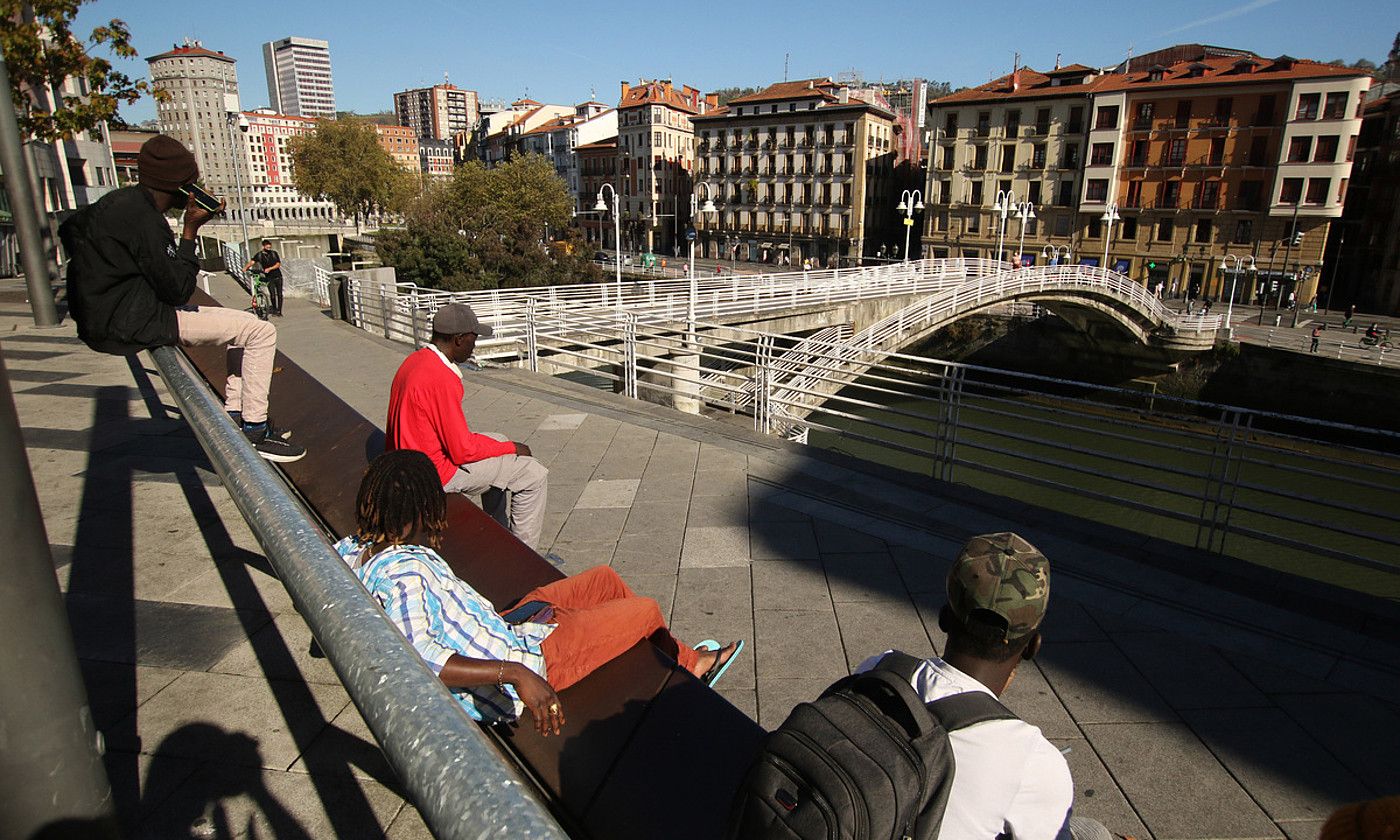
(126, 275)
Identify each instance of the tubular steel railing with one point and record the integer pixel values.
(457, 779)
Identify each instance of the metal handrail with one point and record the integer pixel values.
(454, 775)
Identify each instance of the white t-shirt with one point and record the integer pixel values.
(1009, 779)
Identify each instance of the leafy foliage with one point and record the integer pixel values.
(342, 162)
(726, 94)
(486, 229)
(42, 51)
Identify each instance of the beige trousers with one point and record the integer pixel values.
(252, 346)
(524, 479)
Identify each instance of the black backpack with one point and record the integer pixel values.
(869, 759)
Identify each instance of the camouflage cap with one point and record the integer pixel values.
(1004, 574)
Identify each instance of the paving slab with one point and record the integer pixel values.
(863, 577)
(608, 493)
(1175, 784)
(713, 546)
(1096, 795)
(790, 584)
(1098, 684)
(1188, 675)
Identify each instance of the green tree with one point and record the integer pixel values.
(42, 52)
(490, 228)
(343, 163)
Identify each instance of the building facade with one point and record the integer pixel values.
(656, 159)
(799, 171)
(597, 165)
(271, 195)
(200, 109)
(436, 158)
(299, 81)
(1022, 135)
(1363, 264)
(560, 138)
(439, 112)
(401, 143)
(1222, 155)
(1157, 169)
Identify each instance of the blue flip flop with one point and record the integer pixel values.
(712, 676)
(708, 645)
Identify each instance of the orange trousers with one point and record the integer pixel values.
(599, 617)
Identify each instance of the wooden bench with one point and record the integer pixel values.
(645, 740)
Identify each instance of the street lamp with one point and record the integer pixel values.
(909, 201)
(1110, 215)
(239, 121)
(1025, 211)
(1002, 206)
(601, 207)
(1056, 254)
(708, 207)
(1230, 307)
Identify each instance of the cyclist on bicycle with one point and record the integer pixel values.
(269, 263)
(1373, 332)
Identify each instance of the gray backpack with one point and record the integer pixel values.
(869, 759)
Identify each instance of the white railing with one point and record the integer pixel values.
(1210, 471)
(1352, 351)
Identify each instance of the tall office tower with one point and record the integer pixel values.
(299, 77)
(201, 108)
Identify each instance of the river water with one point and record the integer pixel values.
(1134, 468)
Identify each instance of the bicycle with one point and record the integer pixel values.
(261, 298)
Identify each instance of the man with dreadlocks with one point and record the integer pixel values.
(496, 669)
(425, 413)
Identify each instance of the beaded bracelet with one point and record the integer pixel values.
(501, 676)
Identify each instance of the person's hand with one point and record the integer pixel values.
(539, 697)
(522, 450)
(196, 216)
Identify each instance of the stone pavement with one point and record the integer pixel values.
(1189, 711)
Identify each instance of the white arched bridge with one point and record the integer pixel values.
(772, 345)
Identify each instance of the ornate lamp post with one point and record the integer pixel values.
(1110, 215)
(909, 201)
(1240, 264)
(708, 207)
(601, 206)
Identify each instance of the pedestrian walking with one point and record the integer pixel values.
(1316, 337)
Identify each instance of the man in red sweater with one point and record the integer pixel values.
(425, 413)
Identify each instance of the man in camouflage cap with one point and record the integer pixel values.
(1009, 780)
(1002, 583)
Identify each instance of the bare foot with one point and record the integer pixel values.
(710, 658)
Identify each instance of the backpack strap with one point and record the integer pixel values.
(900, 663)
(960, 711)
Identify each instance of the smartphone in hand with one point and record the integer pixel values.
(197, 194)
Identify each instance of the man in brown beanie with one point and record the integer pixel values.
(130, 282)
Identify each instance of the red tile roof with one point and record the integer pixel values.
(656, 93)
(1225, 70)
(600, 146)
(823, 88)
(1032, 85)
(192, 51)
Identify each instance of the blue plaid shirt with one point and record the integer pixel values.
(441, 615)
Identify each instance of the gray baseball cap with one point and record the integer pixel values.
(458, 319)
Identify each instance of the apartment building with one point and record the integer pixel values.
(438, 112)
(1218, 155)
(656, 154)
(436, 158)
(267, 165)
(499, 135)
(597, 165)
(559, 139)
(299, 81)
(1364, 251)
(201, 88)
(800, 170)
(1022, 135)
(401, 143)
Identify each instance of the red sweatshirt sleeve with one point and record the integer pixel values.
(463, 446)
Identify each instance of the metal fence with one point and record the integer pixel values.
(1223, 479)
(460, 783)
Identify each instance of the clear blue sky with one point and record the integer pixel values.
(560, 52)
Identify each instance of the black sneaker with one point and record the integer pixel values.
(272, 431)
(274, 449)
